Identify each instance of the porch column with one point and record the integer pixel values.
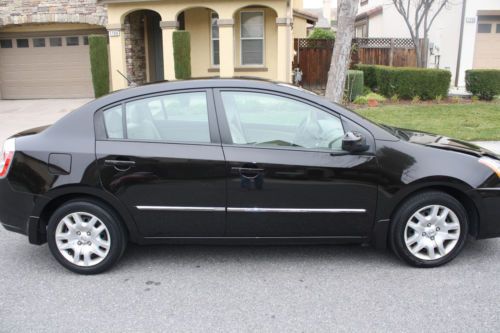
(284, 49)
(168, 28)
(117, 56)
(226, 47)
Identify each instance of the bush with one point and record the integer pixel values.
(407, 82)
(411, 82)
(319, 33)
(182, 54)
(369, 75)
(99, 64)
(354, 84)
(484, 83)
(361, 100)
(377, 97)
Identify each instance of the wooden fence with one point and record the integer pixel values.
(313, 56)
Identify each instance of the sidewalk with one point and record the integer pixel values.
(494, 146)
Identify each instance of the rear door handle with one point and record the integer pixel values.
(247, 169)
(120, 165)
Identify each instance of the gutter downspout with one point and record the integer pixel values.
(460, 42)
(289, 38)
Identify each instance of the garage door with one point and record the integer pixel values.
(487, 53)
(45, 67)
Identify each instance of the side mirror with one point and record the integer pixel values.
(354, 143)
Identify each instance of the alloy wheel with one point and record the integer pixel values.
(83, 239)
(432, 232)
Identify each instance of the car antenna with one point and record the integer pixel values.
(131, 83)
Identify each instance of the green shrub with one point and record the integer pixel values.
(366, 90)
(395, 98)
(369, 75)
(361, 100)
(354, 84)
(182, 54)
(319, 33)
(410, 82)
(484, 83)
(99, 64)
(416, 99)
(375, 96)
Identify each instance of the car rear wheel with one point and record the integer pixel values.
(85, 237)
(429, 229)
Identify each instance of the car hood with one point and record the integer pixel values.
(442, 142)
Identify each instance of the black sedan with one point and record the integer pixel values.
(241, 161)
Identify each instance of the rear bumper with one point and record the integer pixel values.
(15, 208)
(489, 212)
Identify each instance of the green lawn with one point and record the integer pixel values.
(477, 121)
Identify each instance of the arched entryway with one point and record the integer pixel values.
(143, 47)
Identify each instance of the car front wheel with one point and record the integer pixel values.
(429, 229)
(85, 237)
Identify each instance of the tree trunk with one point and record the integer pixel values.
(418, 52)
(342, 50)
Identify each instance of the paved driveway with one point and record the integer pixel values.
(235, 289)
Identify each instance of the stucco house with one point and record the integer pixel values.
(465, 35)
(44, 44)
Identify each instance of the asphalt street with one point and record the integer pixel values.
(247, 288)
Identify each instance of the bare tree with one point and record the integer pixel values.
(419, 15)
(347, 10)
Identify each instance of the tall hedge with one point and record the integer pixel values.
(99, 64)
(354, 84)
(484, 83)
(370, 77)
(182, 54)
(407, 82)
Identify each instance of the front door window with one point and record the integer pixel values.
(260, 119)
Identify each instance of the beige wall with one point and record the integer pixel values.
(198, 23)
(487, 49)
(299, 27)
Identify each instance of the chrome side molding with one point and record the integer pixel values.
(252, 209)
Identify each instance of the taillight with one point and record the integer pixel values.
(9, 148)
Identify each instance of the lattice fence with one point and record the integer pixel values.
(377, 43)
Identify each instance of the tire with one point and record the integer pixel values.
(90, 238)
(441, 225)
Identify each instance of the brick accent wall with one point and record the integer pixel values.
(135, 48)
(50, 11)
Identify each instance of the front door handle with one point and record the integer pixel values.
(249, 173)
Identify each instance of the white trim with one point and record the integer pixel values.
(263, 38)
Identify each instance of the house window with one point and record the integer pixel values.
(22, 43)
(72, 41)
(6, 43)
(252, 38)
(85, 40)
(361, 30)
(38, 42)
(55, 41)
(214, 37)
(484, 28)
(498, 28)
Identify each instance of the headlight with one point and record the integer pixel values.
(492, 164)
